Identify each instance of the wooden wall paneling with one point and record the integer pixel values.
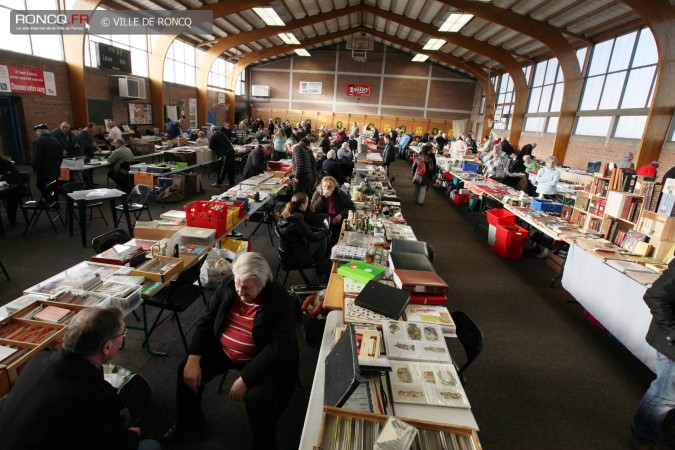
(405, 123)
(360, 120)
(344, 120)
(324, 120)
(420, 126)
(387, 123)
(659, 15)
(294, 117)
(375, 120)
(435, 123)
(311, 115)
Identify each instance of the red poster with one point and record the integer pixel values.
(22, 80)
(358, 90)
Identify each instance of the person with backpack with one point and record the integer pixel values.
(423, 173)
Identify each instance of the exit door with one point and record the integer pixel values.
(11, 143)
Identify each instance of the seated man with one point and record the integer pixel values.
(119, 172)
(248, 325)
(61, 400)
(256, 162)
(10, 175)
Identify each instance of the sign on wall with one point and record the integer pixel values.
(311, 87)
(358, 90)
(140, 113)
(20, 80)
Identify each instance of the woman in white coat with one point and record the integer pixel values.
(548, 177)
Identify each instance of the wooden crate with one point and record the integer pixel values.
(381, 419)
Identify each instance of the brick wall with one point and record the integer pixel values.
(34, 109)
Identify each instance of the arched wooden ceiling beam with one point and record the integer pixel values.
(563, 50)
(659, 16)
(497, 53)
(73, 53)
(162, 45)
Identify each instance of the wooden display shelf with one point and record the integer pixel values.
(349, 415)
(655, 225)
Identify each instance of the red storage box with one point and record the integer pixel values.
(448, 176)
(500, 217)
(461, 199)
(207, 214)
(509, 241)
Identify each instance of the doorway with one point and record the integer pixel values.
(11, 143)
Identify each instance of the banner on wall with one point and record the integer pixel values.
(358, 90)
(20, 80)
(311, 87)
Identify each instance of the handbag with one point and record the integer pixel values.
(420, 172)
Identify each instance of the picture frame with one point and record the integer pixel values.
(140, 113)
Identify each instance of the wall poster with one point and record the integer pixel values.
(311, 87)
(21, 80)
(140, 113)
(358, 90)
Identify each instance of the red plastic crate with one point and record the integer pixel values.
(509, 241)
(207, 214)
(461, 199)
(500, 217)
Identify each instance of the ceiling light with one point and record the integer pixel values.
(302, 52)
(289, 38)
(269, 16)
(420, 58)
(455, 22)
(434, 44)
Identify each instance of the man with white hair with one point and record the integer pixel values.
(345, 153)
(248, 325)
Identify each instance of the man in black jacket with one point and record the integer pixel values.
(10, 175)
(659, 400)
(47, 156)
(66, 140)
(86, 142)
(62, 401)
(223, 149)
(256, 162)
(248, 325)
(389, 152)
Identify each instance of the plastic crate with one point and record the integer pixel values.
(546, 205)
(235, 203)
(500, 217)
(469, 167)
(461, 199)
(509, 241)
(207, 214)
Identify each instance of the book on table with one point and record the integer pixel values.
(428, 299)
(52, 314)
(361, 271)
(409, 261)
(411, 341)
(431, 314)
(427, 384)
(354, 314)
(382, 299)
(420, 282)
(342, 370)
(403, 245)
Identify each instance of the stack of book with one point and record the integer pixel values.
(432, 314)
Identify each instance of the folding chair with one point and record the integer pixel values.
(137, 202)
(48, 203)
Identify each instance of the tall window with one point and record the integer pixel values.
(505, 98)
(180, 64)
(46, 46)
(221, 71)
(240, 87)
(545, 96)
(620, 81)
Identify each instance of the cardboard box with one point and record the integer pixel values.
(153, 230)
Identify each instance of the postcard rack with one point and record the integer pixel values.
(341, 428)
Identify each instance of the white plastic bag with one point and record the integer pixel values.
(215, 268)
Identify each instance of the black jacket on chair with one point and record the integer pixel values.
(295, 233)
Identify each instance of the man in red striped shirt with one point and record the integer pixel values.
(249, 325)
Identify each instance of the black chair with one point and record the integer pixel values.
(107, 240)
(289, 262)
(471, 337)
(74, 186)
(27, 194)
(48, 203)
(121, 179)
(137, 202)
(181, 293)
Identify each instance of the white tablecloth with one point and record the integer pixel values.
(613, 298)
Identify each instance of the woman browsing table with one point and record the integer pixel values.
(329, 199)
